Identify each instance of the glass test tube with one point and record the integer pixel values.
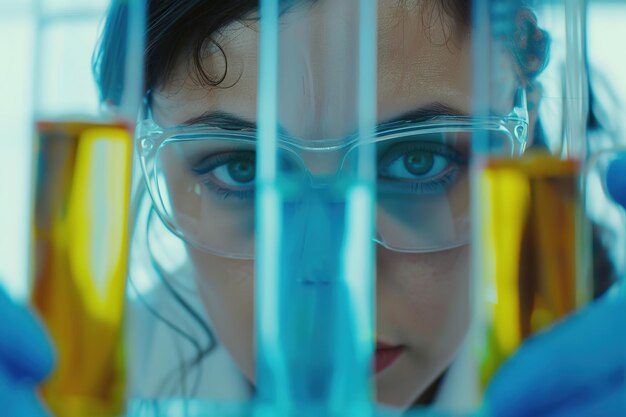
(532, 251)
(315, 206)
(82, 177)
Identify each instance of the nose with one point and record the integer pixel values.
(313, 231)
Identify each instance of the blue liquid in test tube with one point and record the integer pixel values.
(314, 268)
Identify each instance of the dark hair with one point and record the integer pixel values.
(188, 29)
(177, 28)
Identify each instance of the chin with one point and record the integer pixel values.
(392, 393)
(403, 383)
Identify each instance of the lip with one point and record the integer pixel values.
(385, 355)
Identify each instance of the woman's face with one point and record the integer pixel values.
(421, 299)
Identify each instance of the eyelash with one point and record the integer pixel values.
(427, 185)
(206, 166)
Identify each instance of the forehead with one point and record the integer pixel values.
(422, 59)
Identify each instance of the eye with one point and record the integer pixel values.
(419, 162)
(237, 172)
(419, 166)
(416, 164)
(228, 173)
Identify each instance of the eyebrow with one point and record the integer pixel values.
(427, 112)
(220, 120)
(228, 121)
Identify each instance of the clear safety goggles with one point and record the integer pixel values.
(202, 179)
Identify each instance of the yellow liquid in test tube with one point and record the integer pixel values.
(80, 255)
(534, 250)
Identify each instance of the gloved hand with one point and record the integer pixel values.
(616, 179)
(578, 368)
(26, 358)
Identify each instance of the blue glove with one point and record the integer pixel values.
(26, 358)
(616, 180)
(579, 367)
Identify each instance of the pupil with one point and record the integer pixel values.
(419, 163)
(241, 171)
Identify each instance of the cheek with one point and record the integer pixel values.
(426, 294)
(226, 287)
(422, 300)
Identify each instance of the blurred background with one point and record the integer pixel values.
(21, 25)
